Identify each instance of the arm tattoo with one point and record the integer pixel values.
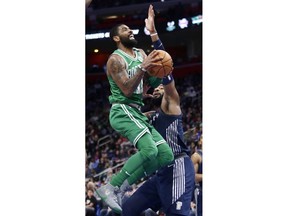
(127, 85)
(134, 81)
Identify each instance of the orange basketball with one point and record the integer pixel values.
(166, 65)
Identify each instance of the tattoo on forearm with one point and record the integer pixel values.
(134, 81)
(120, 76)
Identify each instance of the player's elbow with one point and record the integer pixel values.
(126, 90)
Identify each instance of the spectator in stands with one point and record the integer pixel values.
(91, 203)
(88, 172)
(126, 68)
(93, 163)
(171, 188)
(197, 161)
(90, 185)
(109, 175)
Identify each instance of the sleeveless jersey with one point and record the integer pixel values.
(171, 129)
(117, 95)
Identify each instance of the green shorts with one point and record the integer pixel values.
(132, 124)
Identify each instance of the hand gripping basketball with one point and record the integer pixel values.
(164, 67)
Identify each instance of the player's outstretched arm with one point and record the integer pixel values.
(171, 100)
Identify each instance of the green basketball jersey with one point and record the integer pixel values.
(131, 65)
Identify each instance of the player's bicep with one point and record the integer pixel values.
(116, 69)
(171, 101)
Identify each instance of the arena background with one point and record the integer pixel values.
(179, 25)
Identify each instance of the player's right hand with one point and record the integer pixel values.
(151, 60)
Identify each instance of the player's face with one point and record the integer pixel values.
(126, 36)
(158, 95)
(158, 92)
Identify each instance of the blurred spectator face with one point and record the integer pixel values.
(89, 193)
(90, 186)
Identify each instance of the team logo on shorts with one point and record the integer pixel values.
(178, 205)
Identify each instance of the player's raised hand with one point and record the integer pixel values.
(149, 21)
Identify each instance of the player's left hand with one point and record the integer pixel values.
(149, 22)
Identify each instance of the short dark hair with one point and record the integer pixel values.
(114, 31)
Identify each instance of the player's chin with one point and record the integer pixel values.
(134, 41)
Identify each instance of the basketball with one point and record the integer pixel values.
(166, 65)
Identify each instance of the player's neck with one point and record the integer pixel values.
(127, 50)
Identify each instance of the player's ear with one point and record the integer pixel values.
(116, 38)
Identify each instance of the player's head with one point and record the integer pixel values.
(122, 34)
(158, 95)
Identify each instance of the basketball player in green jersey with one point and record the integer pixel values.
(126, 68)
